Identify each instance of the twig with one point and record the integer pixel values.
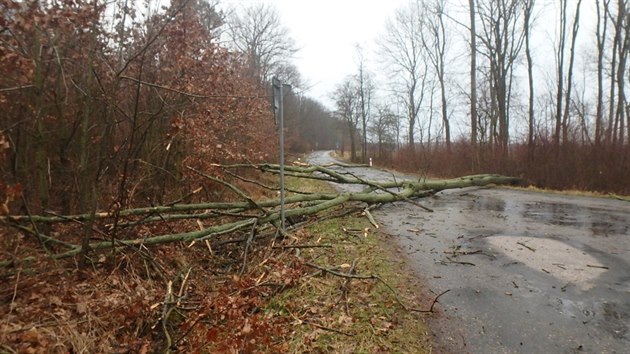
(15, 289)
(166, 310)
(345, 287)
(40, 235)
(624, 199)
(185, 197)
(7, 349)
(199, 318)
(36, 230)
(372, 184)
(435, 300)
(188, 94)
(181, 288)
(314, 324)
(247, 244)
(15, 262)
(377, 277)
(526, 246)
(262, 185)
(559, 265)
(596, 266)
(339, 274)
(397, 186)
(7, 89)
(209, 247)
(303, 246)
(230, 186)
(459, 262)
(464, 253)
(371, 218)
(77, 222)
(346, 165)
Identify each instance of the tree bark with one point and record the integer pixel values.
(601, 42)
(567, 103)
(560, 71)
(530, 77)
(473, 75)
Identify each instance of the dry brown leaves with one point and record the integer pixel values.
(117, 306)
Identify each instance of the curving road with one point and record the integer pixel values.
(528, 272)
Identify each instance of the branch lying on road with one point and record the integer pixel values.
(252, 214)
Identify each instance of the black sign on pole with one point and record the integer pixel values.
(276, 87)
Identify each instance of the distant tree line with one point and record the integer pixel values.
(522, 103)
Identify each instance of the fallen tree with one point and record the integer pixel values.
(248, 214)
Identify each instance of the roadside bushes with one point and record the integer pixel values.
(102, 112)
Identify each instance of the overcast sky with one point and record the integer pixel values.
(327, 32)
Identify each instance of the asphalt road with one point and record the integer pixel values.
(528, 272)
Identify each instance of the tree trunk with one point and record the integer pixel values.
(601, 43)
(567, 103)
(530, 78)
(473, 75)
(624, 43)
(560, 72)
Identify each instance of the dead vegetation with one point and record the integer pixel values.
(213, 277)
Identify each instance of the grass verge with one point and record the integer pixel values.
(221, 296)
(345, 315)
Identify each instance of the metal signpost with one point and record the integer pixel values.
(278, 109)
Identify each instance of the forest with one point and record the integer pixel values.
(114, 114)
(535, 89)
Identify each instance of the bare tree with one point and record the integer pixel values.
(560, 52)
(435, 43)
(347, 101)
(473, 74)
(257, 32)
(567, 104)
(365, 88)
(602, 29)
(622, 43)
(610, 132)
(502, 39)
(383, 128)
(527, 23)
(401, 46)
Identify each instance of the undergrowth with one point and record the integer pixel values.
(218, 296)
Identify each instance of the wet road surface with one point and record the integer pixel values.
(528, 272)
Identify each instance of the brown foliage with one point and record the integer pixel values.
(118, 305)
(572, 166)
(96, 119)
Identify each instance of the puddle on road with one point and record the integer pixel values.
(600, 222)
(557, 259)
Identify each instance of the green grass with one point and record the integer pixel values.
(335, 314)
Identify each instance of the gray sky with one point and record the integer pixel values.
(327, 31)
